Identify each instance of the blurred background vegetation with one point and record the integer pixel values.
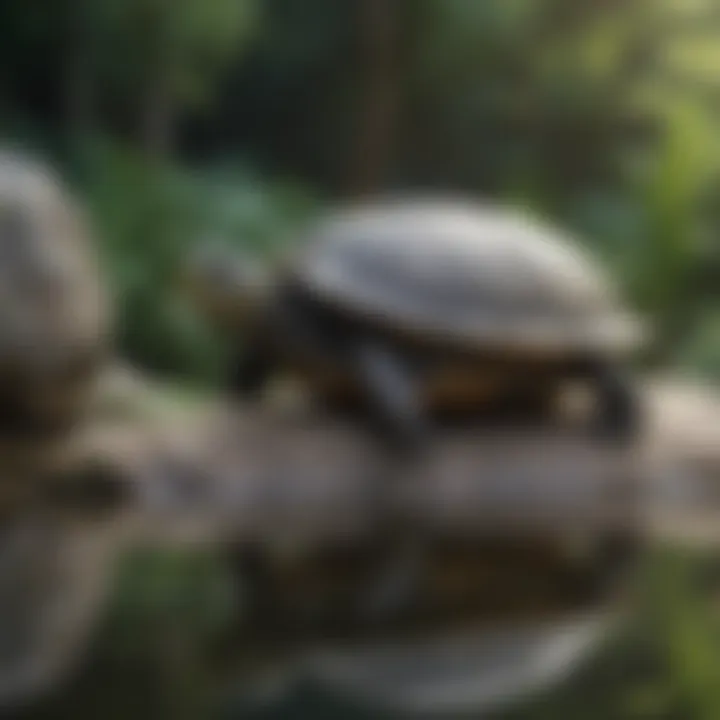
(180, 119)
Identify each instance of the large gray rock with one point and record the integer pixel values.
(54, 314)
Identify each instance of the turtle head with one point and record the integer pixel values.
(228, 286)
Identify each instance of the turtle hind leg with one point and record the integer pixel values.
(393, 397)
(619, 412)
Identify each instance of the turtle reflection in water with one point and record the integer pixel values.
(423, 308)
(530, 538)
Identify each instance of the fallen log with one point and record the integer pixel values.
(303, 477)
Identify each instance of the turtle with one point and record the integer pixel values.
(421, 306)
(54, 310)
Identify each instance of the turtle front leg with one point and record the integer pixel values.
(250, 373)
(393, 396)
(397, 411)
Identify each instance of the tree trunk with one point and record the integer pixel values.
(373, 142)
(79, 95)
(158, 110)
(78, 83)
(158, 120)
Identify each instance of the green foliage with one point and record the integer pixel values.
(184, 41)
(153, 657)
(686, 163)
(160, 592)
(700, 353)
(147, 217)
(663, 662)
(599, 114)
(653, 228)
(689, 635)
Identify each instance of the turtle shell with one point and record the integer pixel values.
(475, 275)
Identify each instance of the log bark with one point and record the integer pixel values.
(304, 477)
